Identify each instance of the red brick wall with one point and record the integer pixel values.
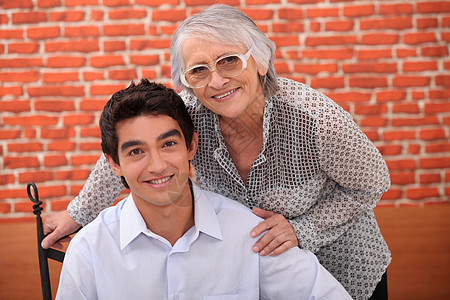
(386, 62)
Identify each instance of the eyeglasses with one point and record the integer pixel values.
(229, 65)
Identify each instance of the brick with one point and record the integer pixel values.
(97, 15)
(60, 77)
(284, 41)
(10, 134)
(57, 133)
(415, 121)
(425, 23)
(369, 67)
(390, 149)
(84, 46)
(312, 41)
(90, 132)
(445, 21)
(355, 97)
(30, 133)
(411, 81)
(92, 76)
(403, 178)
(390, 96)
(414, 149)
(78, 119)
(54, 105)
(374, 54)
(419, 38)
(111, 46)
(23, 48)
(29, 17)
(434, 163)
(11, 90)
(437, 147)
(107, 90)
(71, 3)
(56, 91)
(359, 11)
(73, 175)
(429, 178)
(124, 30)
(402, 53)
(67, 16)
(432, 134)
(66, 62)
(41, 33)
(14, 106)
(288, 27)
(106, 61)
(422, 193)
(139, 45)
(322, 12)
(11, 34)
(420, 66)
(171, 15)
(55, 161)
(25, 147)
(114, 3)
(92, 105)
(436, 108)
(17, 4)
(294, 14)
(344, 53)
(380, 39)
(396, 9)
(35, 120)
(25, 76)
(341, 25)
(90, 146)
(397, 23)
(439, 94)
(75, 190)
(40, 176)
(315, 68)
(59, 205)
(150, 74)
(397, 135)
(409, 108)
(7, 179)
(259, 14)
(63, 145)
(48, 3)
(144, 60)
(443, 80)
(368, 82)
(84, 160)
(13, 194)
(370, 109)
(439, 51)
(401, 164)
(374, 122)
(13, 162)
(328, 82)
(392, 194)
(429, 7)
(52, 191)
(127, 14)
(81, 31)
(418, 95)
(21, 62)
(122, 74)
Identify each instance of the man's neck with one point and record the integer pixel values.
(171, 221)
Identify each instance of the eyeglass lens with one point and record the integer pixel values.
(228, 66)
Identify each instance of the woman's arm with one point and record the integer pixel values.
(358, 177)
(101, 190)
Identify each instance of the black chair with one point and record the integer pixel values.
(43, 254)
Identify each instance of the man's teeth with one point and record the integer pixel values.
(159, 181)
(226, 94)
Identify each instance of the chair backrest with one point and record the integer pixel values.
(43, 254)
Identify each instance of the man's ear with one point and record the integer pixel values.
(193, 146)
(116, 167)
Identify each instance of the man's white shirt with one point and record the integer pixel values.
(118, 257)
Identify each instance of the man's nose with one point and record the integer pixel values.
(156, 163)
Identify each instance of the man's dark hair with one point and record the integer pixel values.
(140, 99)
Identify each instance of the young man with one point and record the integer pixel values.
(169, 239)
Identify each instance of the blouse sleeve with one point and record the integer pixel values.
(357, 178)
(101, 190)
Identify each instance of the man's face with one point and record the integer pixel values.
(154, 160)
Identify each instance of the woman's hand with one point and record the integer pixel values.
(57, 226)
(280, 237)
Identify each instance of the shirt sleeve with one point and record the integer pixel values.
(297, 274)
(357, 178)
(77, 279)
(101, 190)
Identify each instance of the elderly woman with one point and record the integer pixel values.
(273, 144)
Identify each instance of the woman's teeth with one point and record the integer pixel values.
(224, 95)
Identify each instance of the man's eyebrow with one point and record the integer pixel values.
(172, 132)
(129, 144)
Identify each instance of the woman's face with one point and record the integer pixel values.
(229, 97)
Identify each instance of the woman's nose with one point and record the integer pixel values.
(217, 80)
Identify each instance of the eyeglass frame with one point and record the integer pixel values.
(243, 57)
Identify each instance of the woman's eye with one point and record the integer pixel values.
(199, 70)
(228, 60)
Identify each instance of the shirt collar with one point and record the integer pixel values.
(205, 217)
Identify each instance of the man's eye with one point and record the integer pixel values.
(170, 143)
(135, 152)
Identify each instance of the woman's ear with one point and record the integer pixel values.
(262, 70)
(116, 167)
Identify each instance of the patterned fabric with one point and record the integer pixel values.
(316, 167)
